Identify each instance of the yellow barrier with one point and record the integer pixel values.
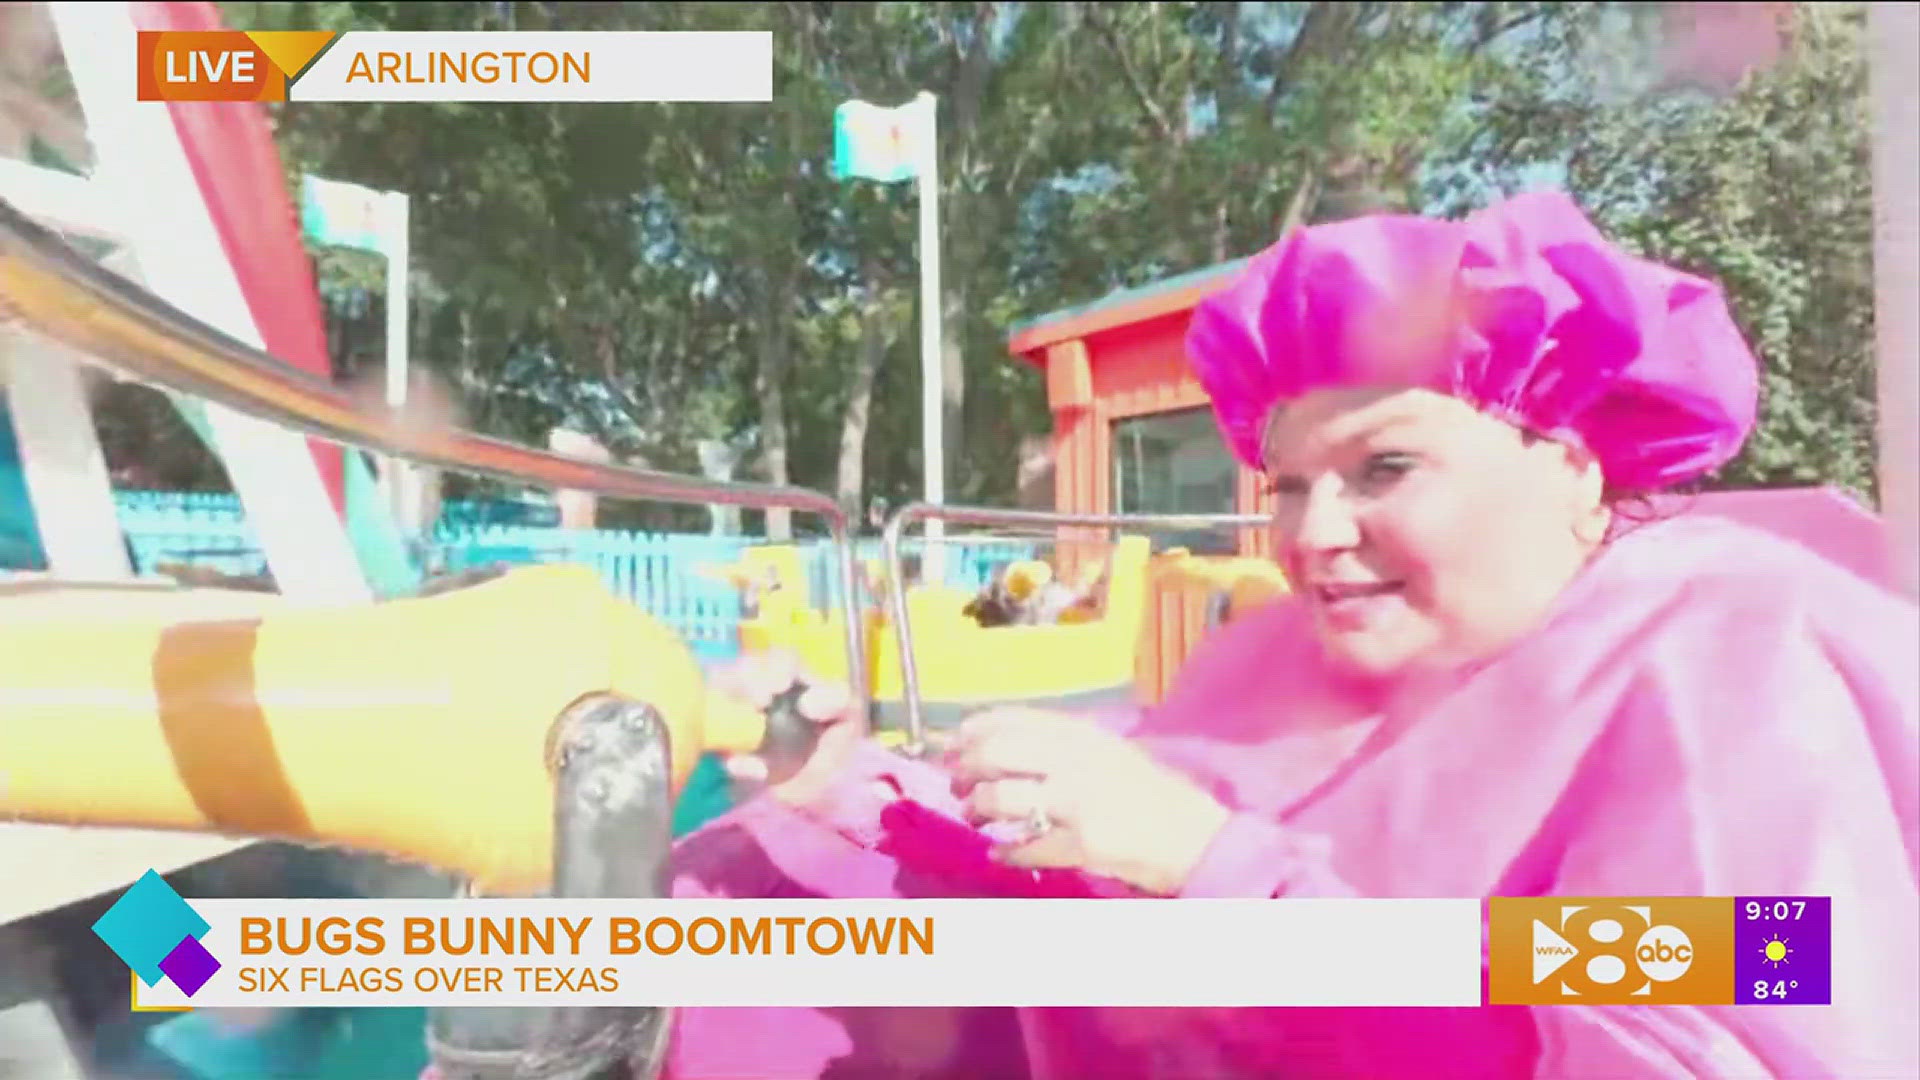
(1157, 610)
(959, 661)
(1183, 588)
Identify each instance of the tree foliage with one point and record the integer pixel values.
(1758, 177)
(661, 274)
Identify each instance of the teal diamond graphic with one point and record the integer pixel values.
(147, 923)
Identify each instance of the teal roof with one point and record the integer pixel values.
(1120, 297)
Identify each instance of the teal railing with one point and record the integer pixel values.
(658, 572)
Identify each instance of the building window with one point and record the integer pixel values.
(1172, 463)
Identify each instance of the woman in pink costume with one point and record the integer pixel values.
(1488, 682)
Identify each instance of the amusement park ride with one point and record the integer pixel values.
(457, 731)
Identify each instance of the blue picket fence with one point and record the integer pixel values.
(661, 573)
(196, 528)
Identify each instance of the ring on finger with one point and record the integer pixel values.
(1015, 807)
(1037, 823)
(1038, 820)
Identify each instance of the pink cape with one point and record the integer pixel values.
(1709, 710)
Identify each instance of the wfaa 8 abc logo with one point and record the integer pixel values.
(1610, 951)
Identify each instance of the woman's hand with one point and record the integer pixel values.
(758, 678)
(1110, 809)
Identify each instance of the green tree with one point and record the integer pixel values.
(1762, 184)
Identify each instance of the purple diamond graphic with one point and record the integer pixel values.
(189, 965)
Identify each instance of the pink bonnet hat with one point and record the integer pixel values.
(1523, 310)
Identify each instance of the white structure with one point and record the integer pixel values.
(347, 215)
(578, 509)
(142, 193)
(718, 461)
(66, 473)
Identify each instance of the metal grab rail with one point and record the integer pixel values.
(981, 515)
(48, 287)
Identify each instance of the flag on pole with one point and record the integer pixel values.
(873, 142)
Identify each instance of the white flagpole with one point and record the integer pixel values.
(932, 444)
(399, 252)
(404, 479)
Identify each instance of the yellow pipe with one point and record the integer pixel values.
(417, 728)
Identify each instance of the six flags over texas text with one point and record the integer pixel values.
(524, 978)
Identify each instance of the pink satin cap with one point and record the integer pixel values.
(1522, 309)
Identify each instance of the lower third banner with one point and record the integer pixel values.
(823, 953)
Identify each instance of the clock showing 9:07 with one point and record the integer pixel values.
(1780, 910)
(1783, 950)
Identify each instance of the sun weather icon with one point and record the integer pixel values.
(1775, 950)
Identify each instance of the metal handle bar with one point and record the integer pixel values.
(56, 291)
(981, 515)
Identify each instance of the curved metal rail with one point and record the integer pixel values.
(988, 516)
(55, 291)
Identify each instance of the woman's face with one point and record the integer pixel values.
(1419, 531)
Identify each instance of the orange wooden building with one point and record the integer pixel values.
(1133, 433)
(1132, 430)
